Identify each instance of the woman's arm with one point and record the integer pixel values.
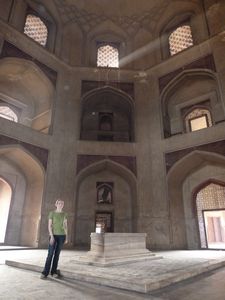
(66, 229)
(50, 232)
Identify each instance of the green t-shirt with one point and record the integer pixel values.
(57, 222)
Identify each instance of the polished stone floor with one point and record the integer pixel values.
(22, 284)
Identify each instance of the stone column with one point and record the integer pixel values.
(152, 199)
(61, 171)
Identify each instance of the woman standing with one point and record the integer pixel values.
(57, 228)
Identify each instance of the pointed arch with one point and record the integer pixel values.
(189, 13)
(209, 206)
(183, 178)
(19, 82)
(106, 32)
(191, 162)
(13, 149)
(180, 78)
(205, 184)
(26, 175)
(43, 21)
(108, 89)
(107, 100)
(107, 164)
(124, 205)
(194, 87)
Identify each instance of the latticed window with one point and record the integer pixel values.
(108, 56)
(180, 39)
(197, 119)
(212, 197)
(36, 29)
(8, 113)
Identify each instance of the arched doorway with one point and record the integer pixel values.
(185, 179)
(25, 175)
(210, 206)
(5, 199)
(106, 193)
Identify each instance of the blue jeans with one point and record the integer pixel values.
(53, 254)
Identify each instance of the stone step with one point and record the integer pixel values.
(114, 261)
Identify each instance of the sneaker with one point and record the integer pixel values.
(57, 274)
(43, 276)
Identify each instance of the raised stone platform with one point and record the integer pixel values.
(142, 276)
(110, 249)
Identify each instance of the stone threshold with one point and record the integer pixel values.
(131, 283)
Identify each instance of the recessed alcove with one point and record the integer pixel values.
(107, 115)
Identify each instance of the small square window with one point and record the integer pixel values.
(108, 56)
(198, 123)
(198, 118)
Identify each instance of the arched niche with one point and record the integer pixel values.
(184, 19)
(107, 102)
(24, 87)
(122, 207)
(187, 13)
(25, 175)
(184, 179)
(189, 89)
(20, 11)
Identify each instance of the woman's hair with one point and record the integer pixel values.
(58, 200)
